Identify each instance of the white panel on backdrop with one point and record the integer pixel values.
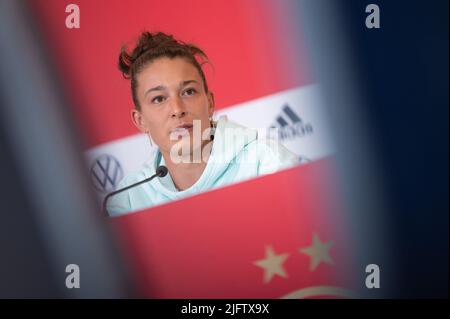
(298, 114)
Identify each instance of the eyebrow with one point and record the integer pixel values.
(162, 87)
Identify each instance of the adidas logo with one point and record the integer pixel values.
(290, 125)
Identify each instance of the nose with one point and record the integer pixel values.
(177, 108)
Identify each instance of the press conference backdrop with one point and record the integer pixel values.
(258, 72)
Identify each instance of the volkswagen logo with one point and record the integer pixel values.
(106, 173)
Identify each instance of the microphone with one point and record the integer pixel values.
(161, 171)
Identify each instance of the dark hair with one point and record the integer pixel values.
(152, 46)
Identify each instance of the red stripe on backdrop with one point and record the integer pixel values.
(210, 245)
(247, 42)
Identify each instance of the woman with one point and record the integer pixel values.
(174, 107)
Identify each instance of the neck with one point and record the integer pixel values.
(184, 175)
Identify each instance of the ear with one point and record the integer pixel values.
(138, 120)
(211, 103)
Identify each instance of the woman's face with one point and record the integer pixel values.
(171, 94)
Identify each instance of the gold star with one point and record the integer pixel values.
(272, 264)
(318, 252)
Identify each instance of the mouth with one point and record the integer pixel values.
(182, 129)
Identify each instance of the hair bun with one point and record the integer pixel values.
(156, 43)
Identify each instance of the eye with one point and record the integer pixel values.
(189, 92)
(158, 99)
